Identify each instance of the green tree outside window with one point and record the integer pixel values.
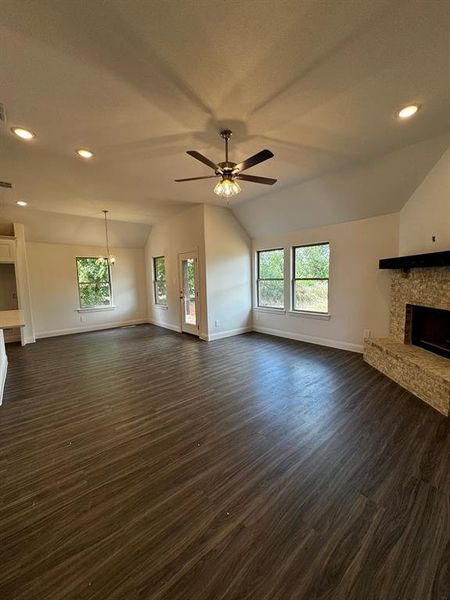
(94, 282)
(270, 283)
(311, 275)
(159, 281)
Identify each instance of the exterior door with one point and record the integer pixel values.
(188, 275)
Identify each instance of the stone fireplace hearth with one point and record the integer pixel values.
(421, 371)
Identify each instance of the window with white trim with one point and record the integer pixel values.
(270, 278)
(159, 280)
(311, 272)
(94, 282)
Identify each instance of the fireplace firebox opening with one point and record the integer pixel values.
(428, 328)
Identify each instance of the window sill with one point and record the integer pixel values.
(310, 315)
(268, 309)
(160, 306)
(95, 309)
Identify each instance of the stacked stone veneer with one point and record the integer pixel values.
(421, 372)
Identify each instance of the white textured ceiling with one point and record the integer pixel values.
(140, 82)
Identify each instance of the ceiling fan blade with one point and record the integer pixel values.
(202, 159)
(195, 178)
(265, 180)
(254, 160)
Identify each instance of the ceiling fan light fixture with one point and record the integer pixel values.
(227, 188)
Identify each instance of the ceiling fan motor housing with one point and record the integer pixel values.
(226, 168)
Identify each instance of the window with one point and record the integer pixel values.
(159, 280)
(94, 282)
(270, 281)
(310, 282)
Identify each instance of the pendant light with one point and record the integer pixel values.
(111, 259)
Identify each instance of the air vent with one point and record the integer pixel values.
(6, 184)
(2, 112)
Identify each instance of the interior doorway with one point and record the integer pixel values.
(189, 296)
(8, 297)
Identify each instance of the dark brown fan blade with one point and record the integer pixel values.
(266, 180)
(254, 160)
(202, 159)
(195, 178)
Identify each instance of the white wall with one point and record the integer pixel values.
(54, 291)
(427, 213)
(228, 273)
(359, 292)
(182, 233)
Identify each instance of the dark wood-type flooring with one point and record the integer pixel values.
(140, 464)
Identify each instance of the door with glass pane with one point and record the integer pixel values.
(189, 292)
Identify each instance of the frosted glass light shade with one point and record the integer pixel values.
(227, 188)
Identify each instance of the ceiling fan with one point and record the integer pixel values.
(229, 171)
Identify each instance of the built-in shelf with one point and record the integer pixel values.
(10, 319)
(417, 261)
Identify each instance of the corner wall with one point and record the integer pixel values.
(228, 273)
(427, 213)
(224, 254)
(182, 233)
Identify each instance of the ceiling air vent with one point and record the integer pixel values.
(2, 112)
(6, 184)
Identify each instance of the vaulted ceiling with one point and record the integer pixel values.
(140, 82)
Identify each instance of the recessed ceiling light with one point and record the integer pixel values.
(25, 134)
(21, 202)
(85, 153)
(408, 111)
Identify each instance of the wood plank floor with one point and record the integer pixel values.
(140, 464)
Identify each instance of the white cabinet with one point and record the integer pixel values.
(7, 250)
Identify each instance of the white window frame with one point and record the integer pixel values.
(259, 307)
(100, 307)
(155, 281)
(312, 313)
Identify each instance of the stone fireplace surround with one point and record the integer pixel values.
(421, 372)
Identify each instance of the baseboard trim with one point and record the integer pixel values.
(207, 337)
(224, 334)
(311, 339)
(176, 328)
(98, 327)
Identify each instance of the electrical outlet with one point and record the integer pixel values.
(82, 318)
(216, 323)
(366, 333)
